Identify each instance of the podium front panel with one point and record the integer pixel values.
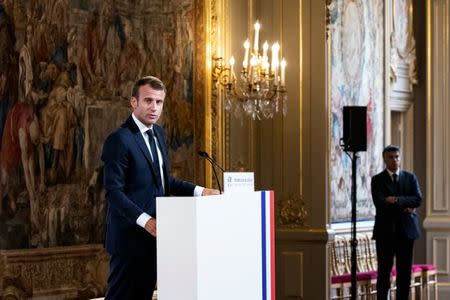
(176, 247)
(216, 247)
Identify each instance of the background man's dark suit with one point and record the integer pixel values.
(396, 228)
(131, 187)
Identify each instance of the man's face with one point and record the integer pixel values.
(392, 160)
(148, 107)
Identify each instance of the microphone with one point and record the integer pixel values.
(206, 156)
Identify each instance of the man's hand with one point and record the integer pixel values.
(391, 199)
(150, 226)
(207, 192)
(409, 210)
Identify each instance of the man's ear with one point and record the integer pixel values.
(133, 102)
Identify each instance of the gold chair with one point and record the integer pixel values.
(341, 268)
(429, 280)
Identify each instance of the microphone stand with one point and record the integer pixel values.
(206, 156)
(217, 178)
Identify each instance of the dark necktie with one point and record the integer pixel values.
(395, 180)
(155, 162)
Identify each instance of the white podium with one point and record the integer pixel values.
(216, 247)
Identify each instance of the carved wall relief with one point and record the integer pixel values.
(292, 213)
(403, 45)
(78, 272)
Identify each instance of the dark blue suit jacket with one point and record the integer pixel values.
(131, 188)
(391, 217)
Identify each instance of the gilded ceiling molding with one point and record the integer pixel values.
(292, 212)
(403, 44)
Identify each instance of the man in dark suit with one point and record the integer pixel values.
(136, 171)
(396, 195)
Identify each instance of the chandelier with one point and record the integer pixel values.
(259, 91)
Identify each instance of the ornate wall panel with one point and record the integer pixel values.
(439, 109)
(441, 253)
(294, 273)
(438, 141)
(356, 37)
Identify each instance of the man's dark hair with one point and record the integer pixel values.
(154, 82)
(391, 148)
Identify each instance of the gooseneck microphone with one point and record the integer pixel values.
(206, 156)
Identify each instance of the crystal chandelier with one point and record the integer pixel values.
(260, 91)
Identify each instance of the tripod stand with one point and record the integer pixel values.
(354, 241)
(354, 140)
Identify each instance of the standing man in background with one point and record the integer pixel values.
(396, 195)
(136, 171)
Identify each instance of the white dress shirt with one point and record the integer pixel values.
(198, 190)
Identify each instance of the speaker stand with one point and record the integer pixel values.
(354, 241)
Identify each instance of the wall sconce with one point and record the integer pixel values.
(260, 91)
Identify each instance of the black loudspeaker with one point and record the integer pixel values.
(355, 128)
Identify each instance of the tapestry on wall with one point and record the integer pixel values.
(356, 36)
(66, 72)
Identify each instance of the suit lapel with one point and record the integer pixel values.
(388, 182)
(401, 181)
(387, 177)
(141, 143)
(142, 146)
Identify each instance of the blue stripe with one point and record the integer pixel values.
(263, 245)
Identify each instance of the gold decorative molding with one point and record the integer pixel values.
(202, 85)
(239, 166)
(216, 107)
(77, 272)
(207, 100)
(292, 212)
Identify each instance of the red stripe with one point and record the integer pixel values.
(272, 244)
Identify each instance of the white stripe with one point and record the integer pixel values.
(268, 247)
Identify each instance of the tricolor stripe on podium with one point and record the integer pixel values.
(268, 245)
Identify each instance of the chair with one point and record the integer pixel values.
(341, 277)
(416, 282)
(338, 268)
(423, 276)
(365, 263)
(336, 283)
(429, 280)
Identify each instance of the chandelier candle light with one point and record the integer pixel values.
(260, 90)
